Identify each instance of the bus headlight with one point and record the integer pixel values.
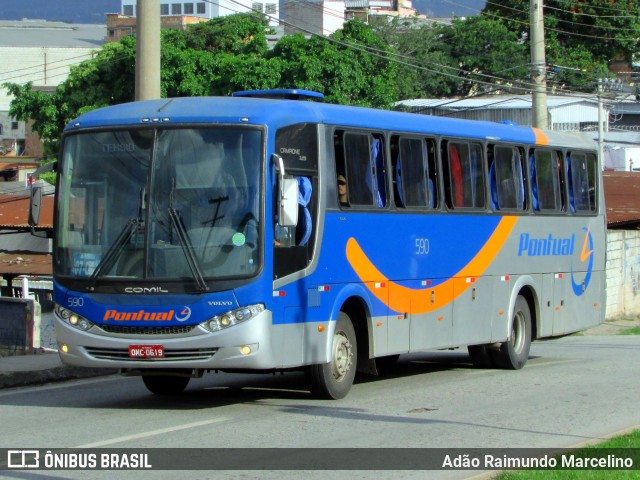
(73, 319)
(229, 319)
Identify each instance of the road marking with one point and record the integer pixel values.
(528, 366)
(152, 433)
(25, 389)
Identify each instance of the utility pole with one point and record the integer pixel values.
(600, 124)
(605, 86)
(538, 66)
(148, 49)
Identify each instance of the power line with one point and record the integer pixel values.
(547, 29)
(458, 74)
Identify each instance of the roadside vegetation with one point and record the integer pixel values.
(631, 331)
(628, 441)
(372, 65)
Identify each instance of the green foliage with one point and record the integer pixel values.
(241, 34)
(490, 56)
(368, 65)
(107, 79)
(622, 446)
(584, 35)
(351, 67)
(217, 58)
(631, 331)
(425, 68)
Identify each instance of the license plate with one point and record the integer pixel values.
(146, 351)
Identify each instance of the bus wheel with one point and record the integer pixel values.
(165, 384)
(480, 356)
(513, 353)
(333, 380)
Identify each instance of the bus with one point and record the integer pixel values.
(269, 231)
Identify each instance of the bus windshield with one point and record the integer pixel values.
(160, 204)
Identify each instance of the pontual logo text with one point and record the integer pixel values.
(139, 315)
(546, 246)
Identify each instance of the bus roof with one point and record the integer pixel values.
(280, 112)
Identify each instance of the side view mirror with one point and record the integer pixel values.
(287, 195)
(35, 197)
(34, 205)
(288, 211)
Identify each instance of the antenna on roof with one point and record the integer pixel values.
(285, 94)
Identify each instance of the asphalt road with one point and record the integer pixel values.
(571, 391)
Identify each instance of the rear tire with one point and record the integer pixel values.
(165, 384)
(333, 380)
(514, 353)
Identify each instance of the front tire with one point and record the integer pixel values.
(165, 384)
(333, 380)
(514, 353)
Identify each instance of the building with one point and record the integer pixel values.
(364, 9)
(622, 198)
(565, 113)
(208, 10)
(119, 26)
(42, 53)
(323, 17)
(21, 252)
(320, 17)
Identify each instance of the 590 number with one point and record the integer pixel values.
(422, 246)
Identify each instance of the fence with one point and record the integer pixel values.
(19, 326)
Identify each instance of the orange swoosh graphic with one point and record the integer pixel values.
(585, 254)
(415, 301)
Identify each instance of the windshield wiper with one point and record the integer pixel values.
(114, 251)
(187, 248)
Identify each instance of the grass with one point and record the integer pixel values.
(630, 440)
(630, 331)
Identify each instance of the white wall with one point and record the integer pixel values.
(219, 8)
(322, 17)
(623, 273)
(622, 159)
(43, 66)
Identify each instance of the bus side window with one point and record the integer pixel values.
(547, 180)
(505, 178)
(364, 169)
(379, 171)
(432, 175)
(414, 184)
(581, 175)
(465, 179)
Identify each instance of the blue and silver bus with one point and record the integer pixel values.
(262, 232)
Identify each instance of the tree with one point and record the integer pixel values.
(104, 80)
(217, 58)
(490, 57)
(424, 68)
(352, 66)
(581, 38)
(471, 55)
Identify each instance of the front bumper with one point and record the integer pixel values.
(197, 349)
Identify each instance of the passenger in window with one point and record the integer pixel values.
(342, 191)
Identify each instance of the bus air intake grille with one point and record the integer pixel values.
(122, 354)
(174, 330)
